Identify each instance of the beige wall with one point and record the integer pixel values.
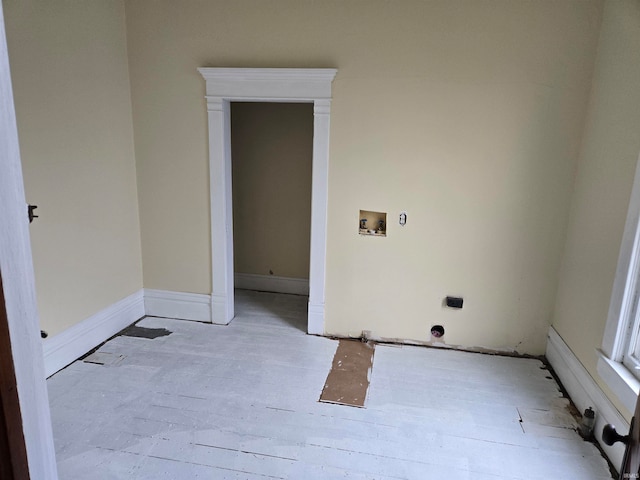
(70, 79)
(271, 146)
(607, 165)
(469, 115)
(466, 114)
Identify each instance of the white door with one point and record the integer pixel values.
(16, 269)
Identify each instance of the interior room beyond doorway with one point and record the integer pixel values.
(272, 149)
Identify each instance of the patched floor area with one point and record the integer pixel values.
(241, 402)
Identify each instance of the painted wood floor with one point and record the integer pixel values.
(241, 402)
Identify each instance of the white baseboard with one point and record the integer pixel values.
(315, 323)
(66, 347)
(222, 312)
(585, 392)
(69, 345)
(179, 305)
(271, 283)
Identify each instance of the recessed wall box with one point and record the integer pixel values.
(372, 223)
(454, 302)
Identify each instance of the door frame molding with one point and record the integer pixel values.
(295, 85)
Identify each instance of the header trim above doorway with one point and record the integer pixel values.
(269, 84)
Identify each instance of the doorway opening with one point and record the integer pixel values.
(226, 85)
(271, 151)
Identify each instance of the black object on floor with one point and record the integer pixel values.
(144, 332)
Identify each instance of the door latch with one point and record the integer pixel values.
(31, 208)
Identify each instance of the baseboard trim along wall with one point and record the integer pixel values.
(315, 321)
(183, 306)
(585, 392)
(69, 345)
(271, 283)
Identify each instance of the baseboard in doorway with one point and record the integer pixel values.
(585, 392)
(271, 283)
(64, 348)
(178, 305)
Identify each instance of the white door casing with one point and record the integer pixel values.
(225, 85)
(16, 266)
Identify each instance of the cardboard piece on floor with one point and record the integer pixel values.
(348, 379)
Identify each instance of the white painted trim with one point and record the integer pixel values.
(16, 268)
(272, 283)
(319, 201)
(620, 380)
(179, 305)
(222, 310)
(585, 392)
(224, 85)
(69, 345)
(315, 325)
(221, 201)
(269, 84)
(624, 284)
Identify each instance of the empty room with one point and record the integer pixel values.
(319, 239)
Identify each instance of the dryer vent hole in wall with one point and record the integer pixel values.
(437, 331)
